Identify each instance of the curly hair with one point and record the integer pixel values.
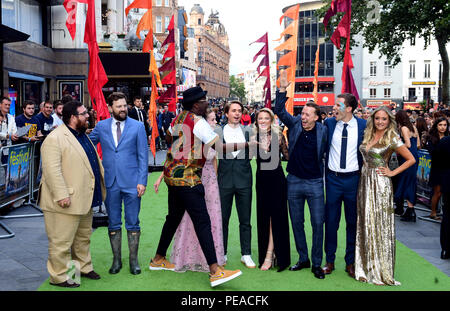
(390, 132)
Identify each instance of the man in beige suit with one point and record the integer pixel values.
(72, 183)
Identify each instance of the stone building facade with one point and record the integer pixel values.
(213, 53)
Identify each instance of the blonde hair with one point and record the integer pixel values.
(273, 127)
(389, 133)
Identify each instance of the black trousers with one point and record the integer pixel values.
(192, 200)
(445, 224)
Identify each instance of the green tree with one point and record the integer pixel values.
(237, 88)
(399, 20)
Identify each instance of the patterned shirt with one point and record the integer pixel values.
(185, 158)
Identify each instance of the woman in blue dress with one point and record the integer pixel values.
(407, 183)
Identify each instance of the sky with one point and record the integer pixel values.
(245, 21)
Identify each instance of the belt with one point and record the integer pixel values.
(354, 173)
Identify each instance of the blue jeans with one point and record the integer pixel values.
(132, 206)
(310, 190)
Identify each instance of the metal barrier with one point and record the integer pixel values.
(13, 186)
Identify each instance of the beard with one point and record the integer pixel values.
(118, 116)
(81, 126)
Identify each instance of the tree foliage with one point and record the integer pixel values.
(399, 20)
(237, 88)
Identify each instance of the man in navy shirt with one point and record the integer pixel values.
(307, 145)
(28, 118)
(45, 118)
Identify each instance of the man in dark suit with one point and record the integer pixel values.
(138, 113)
(343, 165)
(125, 158)
(307, 146)
(235, 180)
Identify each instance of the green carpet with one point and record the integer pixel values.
(414, 272)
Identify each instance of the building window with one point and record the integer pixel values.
(166, 3)
(412, 70)
(427, 69)
(387, 68)
(166, 23)
(158, 24)
(199, 21)
(387, 93)
(24, 16)
(158, 2)
(373, 69)
(373, 93)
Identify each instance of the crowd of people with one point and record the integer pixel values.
(342, 157)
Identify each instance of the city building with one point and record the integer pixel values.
(310, 35)
(254, 89)
(40, 67)
(213, 53)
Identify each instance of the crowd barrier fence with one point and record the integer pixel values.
(19, 180)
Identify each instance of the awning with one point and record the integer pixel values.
(25, 76)
(8, 35)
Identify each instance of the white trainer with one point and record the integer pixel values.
(248, 262)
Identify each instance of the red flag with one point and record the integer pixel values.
(170, 78)
(170, 38)
(168, 66)
(170, 51)
(71, 9)
(263, 39)
(263, 51)
(139, 4)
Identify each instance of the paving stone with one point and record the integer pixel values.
(36, 264)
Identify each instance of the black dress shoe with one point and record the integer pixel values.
(91, 275)
(300, 265)
(445, 255)
(66, 284)
(280, 269)
(318, 272)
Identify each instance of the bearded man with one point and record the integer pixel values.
(125, 158)
(72, 183)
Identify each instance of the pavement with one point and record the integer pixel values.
(23, 257)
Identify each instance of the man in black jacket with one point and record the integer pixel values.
(139, 114)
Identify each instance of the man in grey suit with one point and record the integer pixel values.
(235, 180)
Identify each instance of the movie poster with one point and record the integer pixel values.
(424, 191)
(18, 169)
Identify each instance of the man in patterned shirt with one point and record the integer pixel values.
(192, 137)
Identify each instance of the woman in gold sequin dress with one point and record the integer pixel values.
(375, 236)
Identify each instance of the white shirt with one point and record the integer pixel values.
(7, 128)
(114, 129)
(334, 162)
(57, 120)
(202, 130)
(233, 135)
(139, 114)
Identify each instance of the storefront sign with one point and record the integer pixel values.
(412, 106)
(424, 83)
(377, 103)
(375, 83)
(325, 99)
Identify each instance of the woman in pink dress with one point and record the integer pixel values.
(186, 251)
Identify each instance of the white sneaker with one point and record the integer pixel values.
(225, 258)
(248, 262)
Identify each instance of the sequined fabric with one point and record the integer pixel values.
(375, 235)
